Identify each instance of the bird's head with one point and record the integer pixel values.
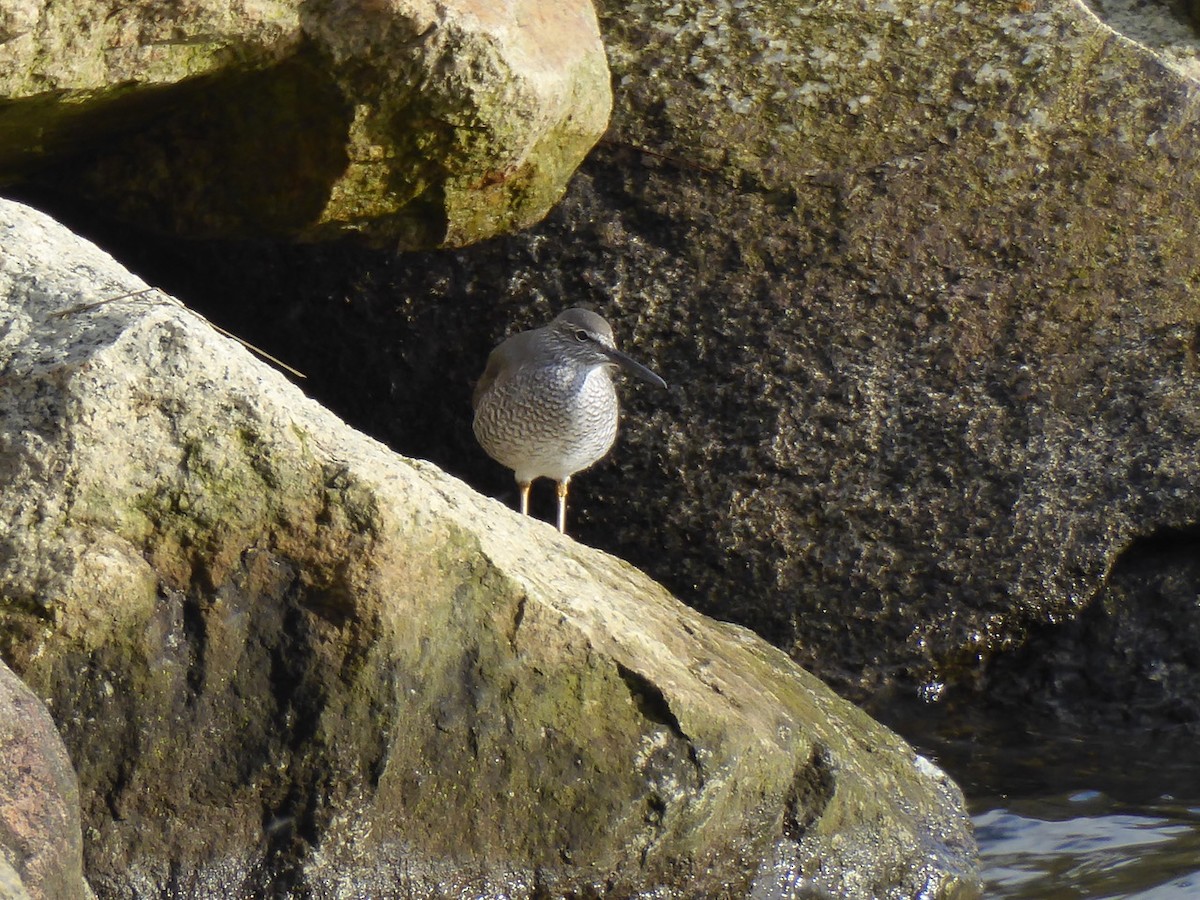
(586, 337)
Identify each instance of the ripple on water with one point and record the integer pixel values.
(1085, 845)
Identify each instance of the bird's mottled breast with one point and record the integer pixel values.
(548, 420)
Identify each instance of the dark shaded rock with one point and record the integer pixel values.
(1130, 660)
(1170, 29)
(41, 848)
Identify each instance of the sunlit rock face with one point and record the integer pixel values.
(407, 122)
(920, 276)
(285, 659)
(940, 356)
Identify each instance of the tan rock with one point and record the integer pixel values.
(284, 656)
(406, 121)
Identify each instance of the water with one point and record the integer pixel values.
(1061, 814)
(1088, 845)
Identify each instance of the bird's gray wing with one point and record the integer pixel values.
(494, 364)
(503, 362)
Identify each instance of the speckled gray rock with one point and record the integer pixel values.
(942, 356)
(1130, 660)
(286, 660)
(407, 121)
(41, 848)
(1162, 28)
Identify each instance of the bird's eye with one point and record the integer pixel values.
(581, 335)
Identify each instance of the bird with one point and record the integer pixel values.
(546, 406)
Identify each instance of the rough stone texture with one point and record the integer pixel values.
(286, 660)
(1131, 660)
(407, 121)
(1165, 27)
(41, 849)
(948, 337)
(11, 887)
(923, 279)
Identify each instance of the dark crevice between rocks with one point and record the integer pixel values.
(1127, 660)
(196, 636)
(116, 790)
(656, 812)
(811, 791)
(43, 128)
(1119, 678)
(149, 156)
(1181, 541)
(655, 817)
(518, 618)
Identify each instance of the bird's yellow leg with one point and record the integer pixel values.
(562, 504)
(524, 488)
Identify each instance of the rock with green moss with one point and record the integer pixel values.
(409, 122)
(922, 278)
(286, 660)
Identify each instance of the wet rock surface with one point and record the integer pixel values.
(1131, 660)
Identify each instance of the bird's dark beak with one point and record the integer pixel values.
(632, 366)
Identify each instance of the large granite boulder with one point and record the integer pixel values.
(286, 660)
(941, 360)
(41, 847)
(407, 121)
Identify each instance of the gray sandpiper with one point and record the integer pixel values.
(546, 406)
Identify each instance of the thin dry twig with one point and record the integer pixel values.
(132, 295)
